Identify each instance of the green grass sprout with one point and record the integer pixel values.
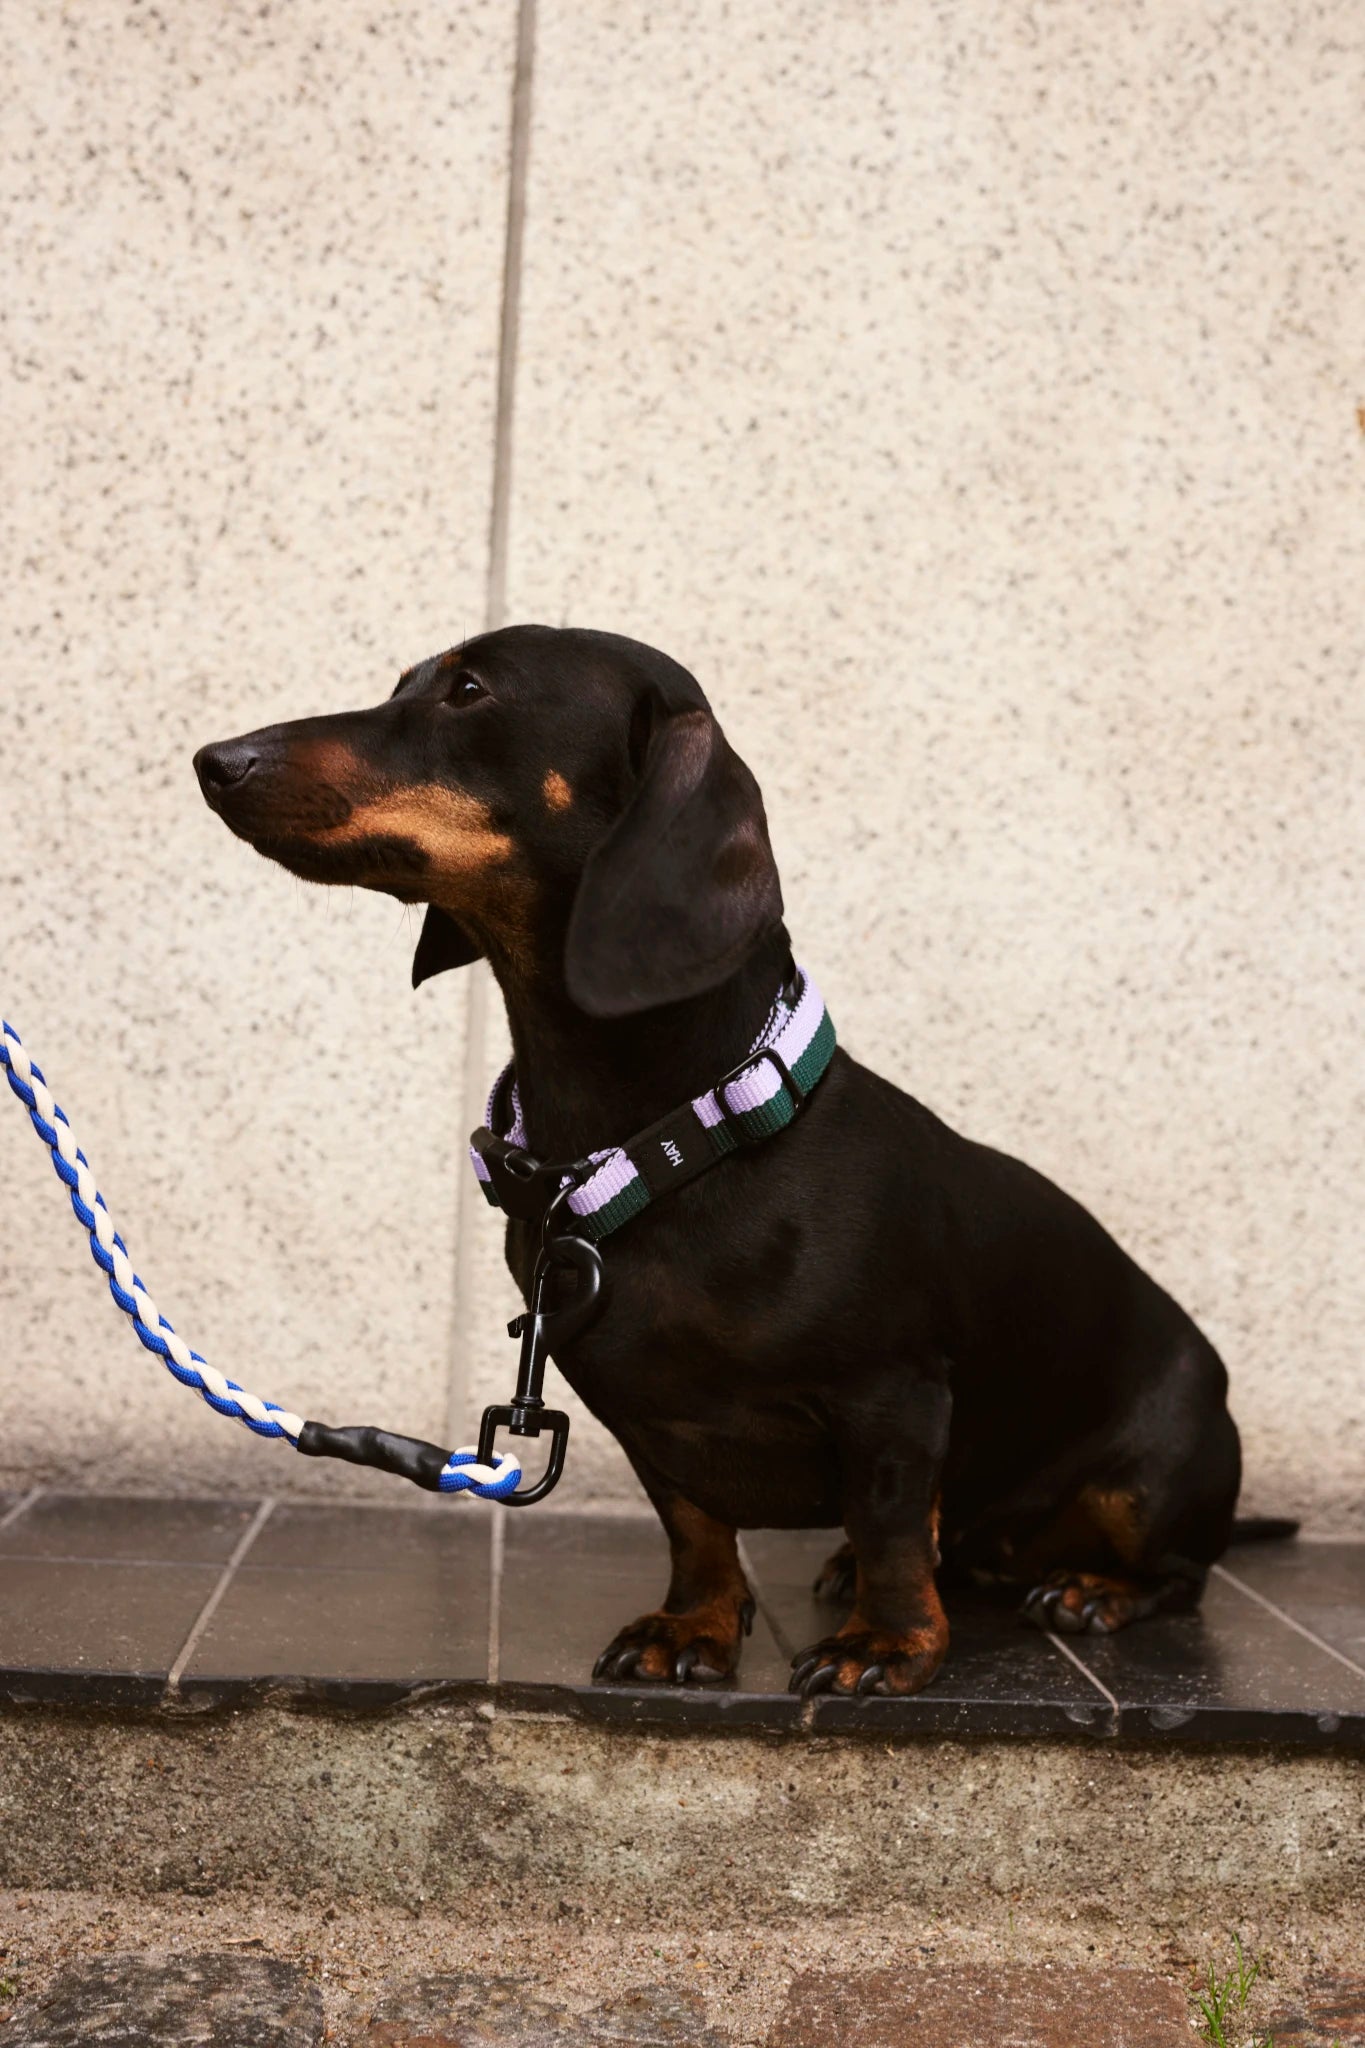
(1224, 1998)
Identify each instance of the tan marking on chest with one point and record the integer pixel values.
(556, 791)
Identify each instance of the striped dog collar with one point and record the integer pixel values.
(753, 1101)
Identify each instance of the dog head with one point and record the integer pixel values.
(564, 802)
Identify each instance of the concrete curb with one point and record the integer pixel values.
(470, 1811)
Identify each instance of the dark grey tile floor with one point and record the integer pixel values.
(120, 1601)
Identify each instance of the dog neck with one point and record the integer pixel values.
(587, 1082)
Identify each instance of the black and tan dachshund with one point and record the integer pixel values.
(867, 1321)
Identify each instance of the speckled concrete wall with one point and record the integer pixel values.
(251, 332)
(969, 396)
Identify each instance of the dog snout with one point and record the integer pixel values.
(224, 767)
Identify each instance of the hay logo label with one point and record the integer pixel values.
(669, 1158)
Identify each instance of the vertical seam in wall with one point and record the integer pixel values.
(519, 155)
(474, 1079)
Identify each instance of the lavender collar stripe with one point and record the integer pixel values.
(757, 1103)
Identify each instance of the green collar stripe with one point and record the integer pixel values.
(625, 1179)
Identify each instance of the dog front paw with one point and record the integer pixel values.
(700, 1648)
(869, 1661)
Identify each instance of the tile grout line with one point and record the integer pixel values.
(760, 1600)
(1288, 1620)
(210, 1606)
(106, 1560)
(474, 1080)
(1058, 1643)
(496, 1550)
(21, 1507)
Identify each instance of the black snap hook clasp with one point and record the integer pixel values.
(539, 1329)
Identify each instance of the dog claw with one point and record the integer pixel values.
(746, 1617)
(862, 1663)
(1089, 1604)
(800, 1673)
(1077, 1604)
(662, 1649)
(1042, 1607)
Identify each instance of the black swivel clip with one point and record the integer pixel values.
(542, 1329)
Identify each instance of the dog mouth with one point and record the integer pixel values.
(284, 819)
(397, 867)
(321, 812)
(300, 824)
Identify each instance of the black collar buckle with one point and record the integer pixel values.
(734, 1118)
(524, 1185)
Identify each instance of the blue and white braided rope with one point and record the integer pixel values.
(462, 1473)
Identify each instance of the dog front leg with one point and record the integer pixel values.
(895, 1639)
(696, 1635)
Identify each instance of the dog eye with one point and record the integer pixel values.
(466, 690)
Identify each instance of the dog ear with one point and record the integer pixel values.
(683, 884)
(441, 944)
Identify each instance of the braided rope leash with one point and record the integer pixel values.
(462, 1471)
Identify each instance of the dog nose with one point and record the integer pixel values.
(224, 766)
